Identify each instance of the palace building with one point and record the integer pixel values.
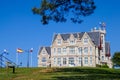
(85, 49)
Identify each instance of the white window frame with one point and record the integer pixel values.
(90, 59)
(43, 65)
(85, 40)
(64, 50)
(80, 50)
(80, 60)
(91, 50)
(54, 50)
(85, 60)
(54, 60)
(59, 41)
(59, 61)
(102, 58)
(72, 50)
(44, 59)
(71, 60)
(64, 61)
(43, 52)
(86, 50)
(59, 50)
(72, 42)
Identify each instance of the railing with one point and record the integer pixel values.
(3, 61)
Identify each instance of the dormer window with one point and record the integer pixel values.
(59, 41)
(72, 41)
(43, 52)
(85, 40)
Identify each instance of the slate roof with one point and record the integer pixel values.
(95, 36)
(48, 49)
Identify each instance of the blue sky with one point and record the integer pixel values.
(19, 28)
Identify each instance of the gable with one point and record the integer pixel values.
(94, 36)
(71, 37)
(45, 49)
(85, 35)
(57, 36)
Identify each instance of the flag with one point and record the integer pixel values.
(19, 50)
(102, 24)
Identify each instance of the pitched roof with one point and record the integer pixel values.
(48, 49)
(95, 36)
(67, 36)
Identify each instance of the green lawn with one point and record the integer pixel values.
(74, 73)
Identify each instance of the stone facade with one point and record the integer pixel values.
(76, 49)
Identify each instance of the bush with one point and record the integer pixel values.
(97, 65)
(104, 66)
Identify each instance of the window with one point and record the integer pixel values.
(54, 50)
(43, 59)
(72, 50)
(80, 60)
(102, 58)
(64, 61)
(86, 50)
(101, 39)
(80, 50)
(71, 61)
(90, 59)
(72, 41)
(54, 60)
(59, 41)
(64, 50)
(59, 50)
(102, 49)
(44, 65)
(43, 51)
(86, 60)
(85, 40)
(90, 50)
(59, 61)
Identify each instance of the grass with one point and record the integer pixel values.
(74, 73)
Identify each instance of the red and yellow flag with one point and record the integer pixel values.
(19, 50)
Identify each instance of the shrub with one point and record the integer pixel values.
(97, 65)
(104, 66)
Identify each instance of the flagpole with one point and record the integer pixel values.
(16, 58)
(31, 59)
(28, 59)
(31, 51)
(18, 50)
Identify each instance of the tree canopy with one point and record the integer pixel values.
(116, 58)
(61, 10)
